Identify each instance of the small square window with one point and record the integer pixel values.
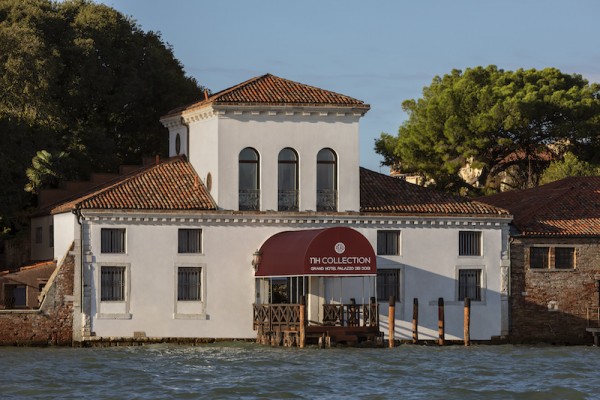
(189, 284)
(189, 241)
(388, 243)
(112, 283)
(539, 257)
(564, 258)
(469, 243)
(388, 284)
(112, 240)
(15, 296)
(469, 284)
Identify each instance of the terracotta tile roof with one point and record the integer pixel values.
(384, 194)
(271, 90)
(36, 265)
(569, 207)
(170, 185)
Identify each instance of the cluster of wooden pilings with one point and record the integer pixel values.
(441, 322)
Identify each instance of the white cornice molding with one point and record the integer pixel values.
(288, 111)
(255, 110)
(304, 220)
(171, 122)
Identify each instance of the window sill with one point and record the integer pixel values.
(191, 316)
(114, 316)
(544, 270)
(459, 303)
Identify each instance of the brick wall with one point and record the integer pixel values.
(52, 324)
(551, 305)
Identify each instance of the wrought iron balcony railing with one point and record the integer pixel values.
(287, 200)
(326, 200)
(249, 199)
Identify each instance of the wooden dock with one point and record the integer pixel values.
(347, 324)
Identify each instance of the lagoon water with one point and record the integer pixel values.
(250, 371)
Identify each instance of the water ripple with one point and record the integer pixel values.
(249, 371)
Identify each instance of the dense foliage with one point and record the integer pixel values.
(569, 165)
(82, 89)
(509, 125)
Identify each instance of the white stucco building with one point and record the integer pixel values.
(184, 248)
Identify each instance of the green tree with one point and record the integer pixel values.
(501, 122)
(45, 171)
(82, 79)
(569, 165)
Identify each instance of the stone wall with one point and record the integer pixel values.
(551, 305)
(52, 323)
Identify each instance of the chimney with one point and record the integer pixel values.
(205, 95)
(157, 159)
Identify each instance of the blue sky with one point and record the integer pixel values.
(381, 52)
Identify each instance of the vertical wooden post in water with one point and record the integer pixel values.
(302, 321)
(415, 322)
(373, 313)
(391, 321)
(467, 322)
(441, 333)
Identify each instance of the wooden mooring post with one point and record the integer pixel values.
(441, 333)
(467, 322)
(391, 321)
(302, 322)
(415, 321)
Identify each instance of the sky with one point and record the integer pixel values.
(381, 52)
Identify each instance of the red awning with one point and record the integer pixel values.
(331, 251)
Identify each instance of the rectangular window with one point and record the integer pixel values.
(15, 296)
(564, 258)
(190, 241)
(112, 283)
(539, 257)
(189, 283)
(388, 243)
(469, 284)
(388, 284)
(113, 240)
(38, 234)
(51, 236)
(545, 257)
(469, 243)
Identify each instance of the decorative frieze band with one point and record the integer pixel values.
(281, 220)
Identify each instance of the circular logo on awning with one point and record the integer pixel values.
(340, 247)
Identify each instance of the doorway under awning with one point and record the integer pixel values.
(338, 251)
(331, 272)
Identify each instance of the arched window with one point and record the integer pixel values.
(287, 194)
(249, 189)
(326, 180)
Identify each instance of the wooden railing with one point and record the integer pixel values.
(593, 317)
(276, 317)
(282, 317)
(351, 314)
